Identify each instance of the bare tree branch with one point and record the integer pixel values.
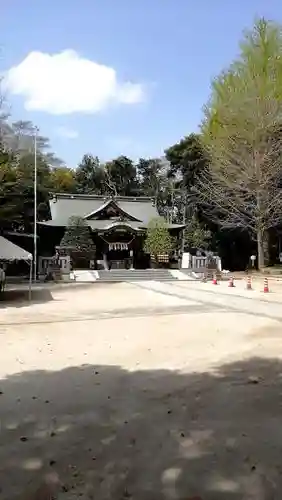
(109, 182)
(242, 133)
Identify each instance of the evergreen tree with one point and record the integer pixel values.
(196, 235)
(158, 240)
(77, 237)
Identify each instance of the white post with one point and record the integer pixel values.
(30, 280)
(35, 206)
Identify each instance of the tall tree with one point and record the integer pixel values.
(120, 177)
(89, 175)
(18, 192)
(187, 159)
(8, 193)
(158, 240)
(25, 187)
(150, 174)
(63, 180)
(154, 180)
(77, 238)
(241, 133)
(196, 235)
(23, 134)
(25, 169)
(19, 137)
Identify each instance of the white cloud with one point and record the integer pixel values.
(65, 83)
(67, 133)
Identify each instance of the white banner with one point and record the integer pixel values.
(118, 246)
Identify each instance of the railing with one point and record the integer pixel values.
(198, 262)
(44, 263)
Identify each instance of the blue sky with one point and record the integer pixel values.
(154, 63)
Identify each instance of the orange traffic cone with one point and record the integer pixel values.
(249, 283)
(231, 282)
(265, 286)
(214, 280)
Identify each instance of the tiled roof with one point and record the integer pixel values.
(64, 206)
(140, 209)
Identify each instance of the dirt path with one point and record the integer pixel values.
(155, 406)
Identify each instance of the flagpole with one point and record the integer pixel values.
(35, 206)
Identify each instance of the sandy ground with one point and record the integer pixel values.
(184, 403)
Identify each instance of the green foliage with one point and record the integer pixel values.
(117, 177)
(8, 196)
(17, 175)
(231, 171)
(187, 159)
(77, 237)
(158, 240)
(89, 176)
(120, 177)
(239, 132)
(151, 176)
(195, 235)
(62, 180)
(244, 96)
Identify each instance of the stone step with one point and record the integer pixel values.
(135, 271)
(84, 276)
(119, 275)
(136, 275)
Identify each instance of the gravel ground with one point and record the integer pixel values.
(184, 403)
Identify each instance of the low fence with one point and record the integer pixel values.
(45, 263)
(199, 262)
(188, 262)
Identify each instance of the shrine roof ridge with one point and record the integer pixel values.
(62, 206)
(101, 197)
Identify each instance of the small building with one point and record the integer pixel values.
(118, 227)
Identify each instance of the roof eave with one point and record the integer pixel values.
(100, 197)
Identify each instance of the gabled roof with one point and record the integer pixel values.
(63, 206)
(97, 210)
(110, 203)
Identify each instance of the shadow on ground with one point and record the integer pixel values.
(20, 297)
(107, 433)
(17, 294)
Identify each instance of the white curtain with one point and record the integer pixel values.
(118, 246)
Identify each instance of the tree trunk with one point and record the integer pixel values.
(260, 249)
(265, 240)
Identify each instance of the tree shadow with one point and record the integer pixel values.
(110, 433)
(17, 294)
(19, 297)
